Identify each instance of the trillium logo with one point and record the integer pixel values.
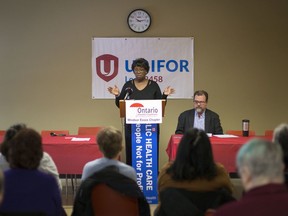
(136, 105)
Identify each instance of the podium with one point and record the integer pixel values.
(144, 117)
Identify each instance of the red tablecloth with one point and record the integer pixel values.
(71, 156)
(224, 149)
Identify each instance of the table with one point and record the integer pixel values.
(224, 149)
(71, 153)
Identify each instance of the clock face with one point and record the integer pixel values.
(139, 20)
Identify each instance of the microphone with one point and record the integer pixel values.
(54, 134)
(128, 91)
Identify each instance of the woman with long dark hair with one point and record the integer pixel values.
(194, 171)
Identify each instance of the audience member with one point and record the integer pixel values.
(109, 140)
(199, 117)
(280, 135)
(194, 170)
(26, 188)
(46, 164)
(111, 177)
(260, 166)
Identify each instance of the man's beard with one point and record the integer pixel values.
(199, 110)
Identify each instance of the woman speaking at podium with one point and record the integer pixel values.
(139, 88)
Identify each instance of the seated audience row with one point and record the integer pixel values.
(190, 185)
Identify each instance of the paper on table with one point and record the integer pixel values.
(225, 136)
(209, 134)
(80, 139)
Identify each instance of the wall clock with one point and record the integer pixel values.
(139, 20)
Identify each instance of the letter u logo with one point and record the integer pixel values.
(107, 67)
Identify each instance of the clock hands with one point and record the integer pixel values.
(139, 20)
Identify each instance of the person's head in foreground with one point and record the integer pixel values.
(260, 165)
(259, 162)
(109, 140)
(25, 150)
(11, 132)
(194, 157)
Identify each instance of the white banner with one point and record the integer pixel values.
(171, 63)
(143, 111)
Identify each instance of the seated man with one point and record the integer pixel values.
(200, 117)
(260, 166)
(109, 140)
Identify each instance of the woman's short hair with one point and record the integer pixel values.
(109, 140)
(262, 157)
(141, 62)
(194, 158)
(25, 149)
(9, 135)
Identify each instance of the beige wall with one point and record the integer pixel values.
(45, 59)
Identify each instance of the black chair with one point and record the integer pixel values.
(180, 202)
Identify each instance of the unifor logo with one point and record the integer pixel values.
(107, 67)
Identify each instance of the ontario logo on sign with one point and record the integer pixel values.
(143, 111)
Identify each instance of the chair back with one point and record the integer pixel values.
(210, 212)
(89, 130)
(239, 132)
(269, 133)
(185, 202)
(109, 202)
(54, 133)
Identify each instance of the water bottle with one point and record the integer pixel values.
(245, 127)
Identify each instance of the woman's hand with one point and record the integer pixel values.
(168, 91)
(114, 90)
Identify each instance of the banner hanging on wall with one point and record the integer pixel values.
(171, 63)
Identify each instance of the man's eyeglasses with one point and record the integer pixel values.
(199, 102)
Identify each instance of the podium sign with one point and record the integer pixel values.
(144, 117)
(143, 111)
(145, 159)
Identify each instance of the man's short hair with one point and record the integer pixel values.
(262, 157)
(109, 140)
(200, 93)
